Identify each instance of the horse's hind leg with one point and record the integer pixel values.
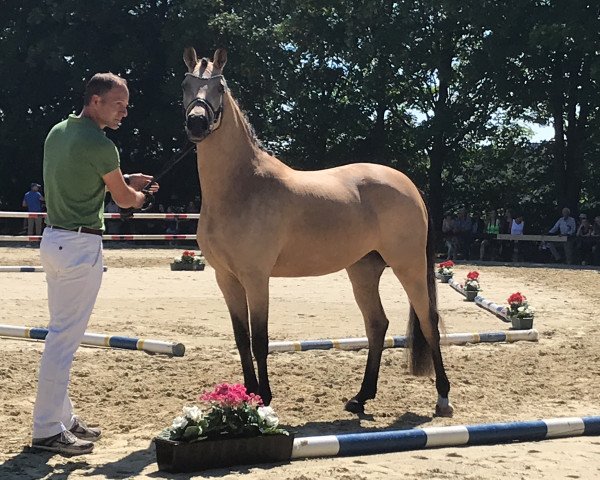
(235, 297)
(365, 275)
(424, 328)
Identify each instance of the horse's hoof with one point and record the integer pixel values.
(354, 406)
(447, 411)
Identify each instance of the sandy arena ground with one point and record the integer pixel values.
(133, 396)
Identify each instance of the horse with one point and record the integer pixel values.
(260, 218)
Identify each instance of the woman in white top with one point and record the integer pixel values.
(517, 225)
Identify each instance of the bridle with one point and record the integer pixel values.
(214, 115)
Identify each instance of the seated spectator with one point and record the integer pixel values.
(564, 226)
(449, 238)
(477, 232)
(491, 229)
(171, 225)
(505, 248)
(583, 243)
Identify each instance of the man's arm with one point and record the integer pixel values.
(123, 195)
(554, 229)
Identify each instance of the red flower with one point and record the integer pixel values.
(446, 264)
(188, 253)
(473, 275)
(232, 396)
(516, 299)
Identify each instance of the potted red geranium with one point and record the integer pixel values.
(231, 427)
(445, 271)
(472, 287)
(519, 312)
(189, 261)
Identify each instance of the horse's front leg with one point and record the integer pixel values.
(235, 297)
(257, 293)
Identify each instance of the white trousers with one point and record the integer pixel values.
(73, 265)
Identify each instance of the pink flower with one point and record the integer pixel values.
(232, 396)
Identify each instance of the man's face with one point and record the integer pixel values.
(566, 212)
(111, 108)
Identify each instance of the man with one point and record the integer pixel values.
(32, 201)
(79, 164)
(564, 226)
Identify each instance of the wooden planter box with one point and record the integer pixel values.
(175, 457)
(195, 267)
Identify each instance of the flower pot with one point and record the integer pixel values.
(519, 323)
(445, 278)
(178, 266)
(471, 294)
(173, 456)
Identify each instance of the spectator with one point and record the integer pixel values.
(516, 228)
(32, 201)
(596, 242)
(492, 228)
(477, 231)
(449, 237)
(462, 230)
(113, 227)
(564, 226)
(584, 240)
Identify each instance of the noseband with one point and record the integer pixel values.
(214, 115)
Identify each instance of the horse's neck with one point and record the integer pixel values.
(229, 156)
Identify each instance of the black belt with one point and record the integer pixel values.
(93, 231)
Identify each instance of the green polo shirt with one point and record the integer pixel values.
(77, 155)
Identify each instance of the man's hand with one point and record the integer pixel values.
(138, 181)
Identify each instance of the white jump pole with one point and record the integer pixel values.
(100, 340)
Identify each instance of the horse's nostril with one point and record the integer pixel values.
(197, 123)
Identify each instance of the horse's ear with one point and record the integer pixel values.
(190, 58)
(220, 58)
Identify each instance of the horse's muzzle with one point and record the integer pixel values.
(197, 127)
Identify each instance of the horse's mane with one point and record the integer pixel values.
(249, 128)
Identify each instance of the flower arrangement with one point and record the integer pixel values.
(190, 258)
(518, 307)
(472, 282)
(445, 268)
(230, 413)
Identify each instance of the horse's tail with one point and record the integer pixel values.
(420, 353)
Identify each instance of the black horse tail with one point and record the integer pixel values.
(420, 352)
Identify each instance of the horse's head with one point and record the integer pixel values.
(203, 89)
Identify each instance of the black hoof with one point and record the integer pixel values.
(354, 406)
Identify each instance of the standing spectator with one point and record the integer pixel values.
(80, 163)
(517, 227)
(449, 238)
(491, 229)
(596, 242)
(462, 229)
(564, 226)
(113, 227)
(32, 201)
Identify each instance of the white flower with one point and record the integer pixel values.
(194, 413)
(268, 415)
(180, 422)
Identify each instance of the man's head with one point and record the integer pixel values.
(35, 187)
(566, 212)
(105, 100)
(582, 216)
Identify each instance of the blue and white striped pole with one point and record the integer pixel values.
(16, 268)
(419, 438)
(401, 341)
(457, 286)
(99, 340)
(499, 310)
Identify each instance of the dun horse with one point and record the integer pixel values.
(260, 219)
